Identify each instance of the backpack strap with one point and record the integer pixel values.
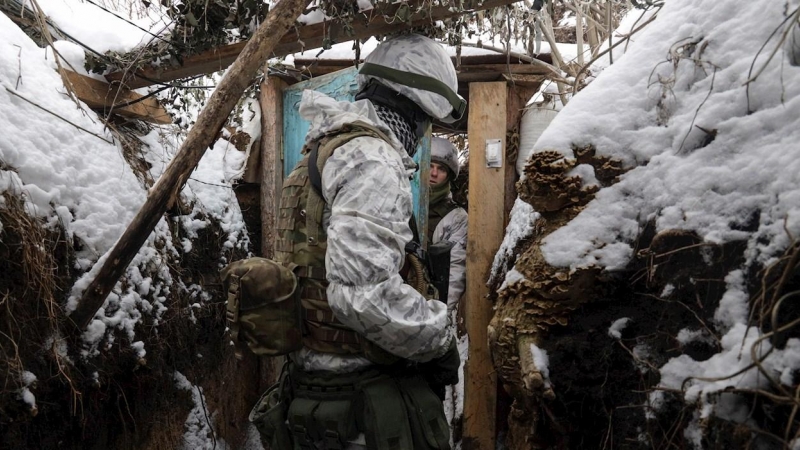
(319, 151)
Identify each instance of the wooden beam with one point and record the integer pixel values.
(271, 160)
(201, 135)
(103, 96)
(487, 120)
(467, 73)
(381, 20)
(471, 60)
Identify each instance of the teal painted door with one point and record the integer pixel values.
(342, 85)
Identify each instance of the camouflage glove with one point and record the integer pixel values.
(442, 371)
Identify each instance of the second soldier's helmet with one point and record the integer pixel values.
(420, 69)
(444, 152)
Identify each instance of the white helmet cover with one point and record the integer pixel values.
(419, 55)
(444, 152)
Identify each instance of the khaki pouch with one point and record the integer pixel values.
(263, 310)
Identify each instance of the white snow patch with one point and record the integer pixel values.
(615, 330)
(541, 361)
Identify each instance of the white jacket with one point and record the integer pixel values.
(368, 205)
(453, 228)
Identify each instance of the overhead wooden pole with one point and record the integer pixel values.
(487, 186)
(169, 185)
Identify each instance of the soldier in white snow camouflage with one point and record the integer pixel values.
(447, 222)
(372, 340)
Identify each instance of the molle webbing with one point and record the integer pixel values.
(302, 240)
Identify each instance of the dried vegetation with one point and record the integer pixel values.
(116, 398)
(598, 393)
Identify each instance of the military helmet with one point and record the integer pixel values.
(444, 152)
(420, 69)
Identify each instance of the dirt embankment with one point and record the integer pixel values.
(52, 396)
(595, 391)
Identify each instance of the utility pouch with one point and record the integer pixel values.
(439, 266)
(425, 414)
(269, 417)
(324, 410)
(301, 423)
(263, 310)
(384, 420)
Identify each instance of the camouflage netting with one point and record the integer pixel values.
(596, 391)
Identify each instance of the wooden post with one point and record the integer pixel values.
(487, 120)
(271, 160)
(202, 134)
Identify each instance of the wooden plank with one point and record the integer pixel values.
(466, 74)
(470, 60)
(487, 120)
(378, 21)
(200, 137)
(271, 160)
(521, 68)
(103, 96)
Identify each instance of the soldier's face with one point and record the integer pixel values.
(438, 174)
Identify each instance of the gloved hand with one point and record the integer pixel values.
(442, 371)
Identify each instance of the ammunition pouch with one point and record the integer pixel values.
(263, 310)
(270, 412)
(323, 410)
(394, 412)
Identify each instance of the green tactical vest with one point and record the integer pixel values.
(302, 240)
(438, 212)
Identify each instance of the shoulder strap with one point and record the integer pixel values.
(318, 153)
(331, 142)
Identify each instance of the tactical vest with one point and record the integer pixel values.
(302, 240)
(438, 212)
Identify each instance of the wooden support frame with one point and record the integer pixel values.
(271, 160)
(383, 19)
(103, 96)
(487, 189)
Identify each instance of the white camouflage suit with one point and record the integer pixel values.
(367, 192)
(453, 228)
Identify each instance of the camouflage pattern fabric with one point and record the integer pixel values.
(421, 55)
(365, 184)
(262, 310)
